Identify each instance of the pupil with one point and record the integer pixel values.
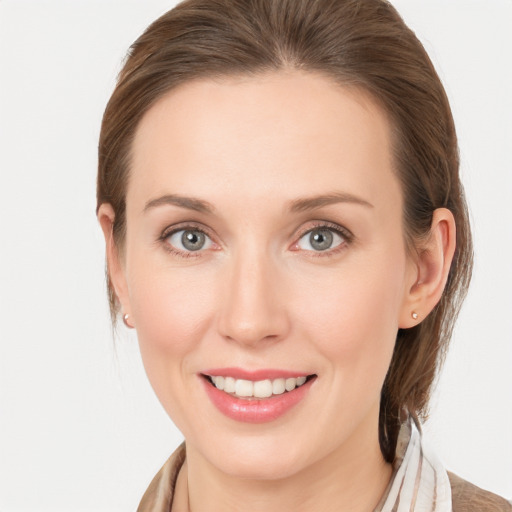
(192, 240)
(321, 240)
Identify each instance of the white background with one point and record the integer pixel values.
(80, 429)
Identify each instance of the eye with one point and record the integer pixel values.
(320, 239)
(189, 240)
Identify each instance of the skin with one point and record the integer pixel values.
(259, 295)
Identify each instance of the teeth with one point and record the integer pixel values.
(278, 387)
(290, 384)
(301, 380)
(259, 389)
(229, 385)
(263, 389)
(244, 388)
(219, 382)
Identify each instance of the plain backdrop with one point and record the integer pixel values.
(80, 428)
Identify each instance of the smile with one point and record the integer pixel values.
(259, 397)
(243, 388)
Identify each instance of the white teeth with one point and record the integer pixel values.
(290, 384)
(263, 389)
(278, 387)
(244, 388)
(229, 385)
(259, 389)
(219, 382)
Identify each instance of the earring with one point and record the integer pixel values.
(414, 315)
(125, 321)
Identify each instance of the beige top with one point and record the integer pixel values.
(466, 497)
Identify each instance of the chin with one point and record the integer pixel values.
(258, 458)
(270, 468)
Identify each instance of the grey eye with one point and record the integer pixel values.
(189, 240)
(192, 240)
(320, 239)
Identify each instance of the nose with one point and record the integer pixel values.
(253, 308)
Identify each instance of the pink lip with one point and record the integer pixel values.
(254, 375)
(257, 410)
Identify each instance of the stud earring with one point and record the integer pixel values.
(125, 321)
(414, 315)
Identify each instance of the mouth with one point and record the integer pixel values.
(256, 396)
(257, 389)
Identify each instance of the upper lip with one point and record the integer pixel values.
(254, 375)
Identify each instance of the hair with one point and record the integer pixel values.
(359, 43)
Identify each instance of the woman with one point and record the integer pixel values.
(286, 230)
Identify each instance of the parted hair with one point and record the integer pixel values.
(359, 43)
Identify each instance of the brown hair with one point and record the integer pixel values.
(363, 43)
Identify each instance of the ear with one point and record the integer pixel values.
(115, 266)
(430, 270)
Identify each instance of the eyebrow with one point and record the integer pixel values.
(310, 203)
(297, 205)
(190, 203)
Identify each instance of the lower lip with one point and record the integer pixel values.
(260, 410)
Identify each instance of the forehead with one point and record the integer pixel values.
(278, 134)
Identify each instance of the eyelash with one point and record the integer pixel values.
(175, 229)
(344, 233)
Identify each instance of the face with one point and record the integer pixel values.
(265, 248)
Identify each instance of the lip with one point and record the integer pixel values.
(261, 410)
(254, 375)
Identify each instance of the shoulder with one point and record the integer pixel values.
(160, 493)
(467, 497)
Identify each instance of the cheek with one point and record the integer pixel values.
(354, 316)
(172, 311)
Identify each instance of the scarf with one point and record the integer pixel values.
(419, 482)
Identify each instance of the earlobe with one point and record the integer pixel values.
(433, 264)
(115, 268)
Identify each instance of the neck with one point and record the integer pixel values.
(352, 478)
